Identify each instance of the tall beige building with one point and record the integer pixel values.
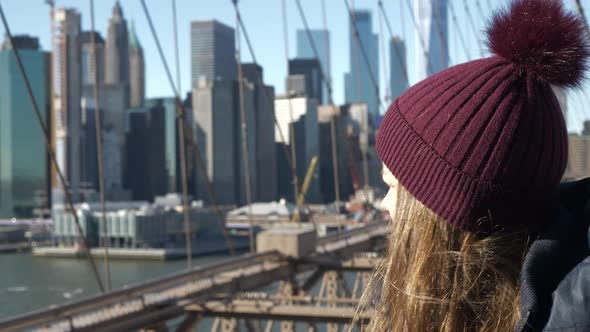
(136, 70)
(67, 83)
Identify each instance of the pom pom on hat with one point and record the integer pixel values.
(542, 37)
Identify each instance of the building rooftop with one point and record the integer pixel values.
(281, 208)
(132, 35)
(86, 37)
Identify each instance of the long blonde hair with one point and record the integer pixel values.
(436, 277)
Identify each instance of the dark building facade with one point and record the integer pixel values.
(153, 151)
(24, 164)
(87, 60)
(264, 130)
(212, 51)
(88, 162)
(310, 68)
(22, 42)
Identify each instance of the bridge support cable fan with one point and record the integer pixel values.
(51, 151)
(181, 116)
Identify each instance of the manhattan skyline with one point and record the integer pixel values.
(265, 29)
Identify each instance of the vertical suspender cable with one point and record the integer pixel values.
(444, 51)
(292, 142)
(383, 54)
(244, 131)
(326, 42)
(480, 10)
(176, 48)
(458, 28)
(359, 93)
(182, 147)
(181, 116)
(473, 28)
(269, 101)
(99, 159)
(181, 137)
(333, 118)
(400, 55)
(420, 37)
(328, 84)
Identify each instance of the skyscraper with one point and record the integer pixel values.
(87, 61)
(215, 123)
(153, 155)
(358, 83)
(136, 69)
(299, 114)
(137, 178)
(212, 51)
(397, 68)
(433, 31)
(66, 122)
(248, 90)
(266, 172)
(344, 148)
(310, 68)
(24, 171)
(117, 48)
(21, 42)
(321, 40)
(214, 75)
(88, 154)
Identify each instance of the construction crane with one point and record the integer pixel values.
(304, 188)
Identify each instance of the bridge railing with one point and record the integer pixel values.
(132, 292)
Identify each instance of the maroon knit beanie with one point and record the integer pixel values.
(484, 144)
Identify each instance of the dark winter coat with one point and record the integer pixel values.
(555, 290)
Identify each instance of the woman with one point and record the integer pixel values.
(482, 234)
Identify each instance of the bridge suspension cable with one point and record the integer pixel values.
(581, 11)
(244, 131)
(180, 114)
(269, 101)
(46, 138)
(480, 10)
(473, 28)
(358, 45)
(365, 56)
(182, 147)
(328, 84)
(181, 141)
(383, 56)
(420, 37)
(445, 54)
(99, 154)
(334, 145)
(292, 142)
(459, 31)
(489, 3)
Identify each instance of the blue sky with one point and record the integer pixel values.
(265, 26)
